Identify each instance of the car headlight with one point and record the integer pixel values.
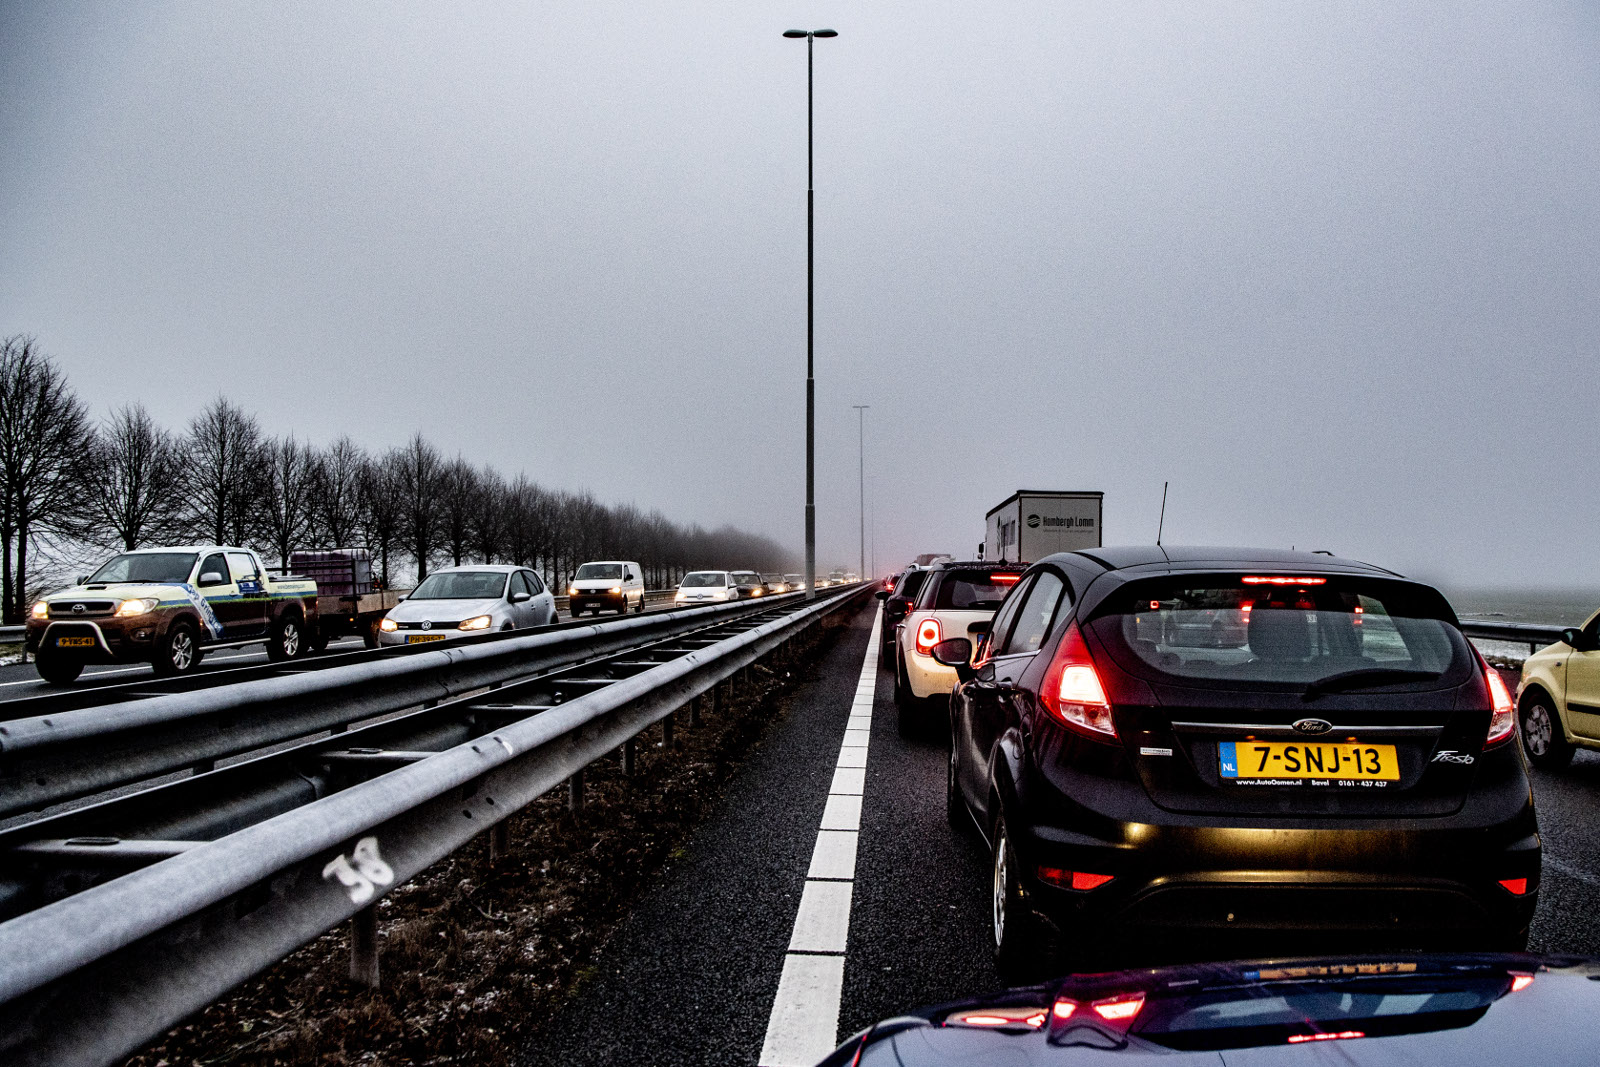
(479, 622)
(137, 606)
(616, 589)
(41, 609)
(388, 626)
(572, 591)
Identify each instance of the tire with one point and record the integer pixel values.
(1542, 736)
(955, 805)
(640, 609)
(1016, 933)
(886, 648)
(179, 651)
(911, 711)
(287, 640)
(622, 609)
(56, 668)
(369, 632)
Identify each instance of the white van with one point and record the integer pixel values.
(616, 584)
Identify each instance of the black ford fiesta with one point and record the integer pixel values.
(1289, 751)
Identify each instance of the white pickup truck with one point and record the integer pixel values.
(166, 607)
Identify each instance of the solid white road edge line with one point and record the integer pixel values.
(804, 1024)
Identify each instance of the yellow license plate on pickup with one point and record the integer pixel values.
(74, 642)
(1323, 761)
(419, 639)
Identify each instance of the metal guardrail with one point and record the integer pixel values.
(55, 755)
(1535, 635)
(9, 634)
(89, 978)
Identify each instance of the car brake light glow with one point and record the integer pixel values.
(1119, 1009)
(1082, 881)
(1031, 1017)
(1517, 887)
(927, 635)
(1260, 579)
(1519, 982)
(1503, 716)
(1063, 1009)
(1342, 1035)
(1072, 689)
(1005, 579)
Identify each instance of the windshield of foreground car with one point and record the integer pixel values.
(147, 567)
(700, 579)
(461, 585)
(612, 571)
(1224, 629)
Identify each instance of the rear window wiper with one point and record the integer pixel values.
(1364, 678)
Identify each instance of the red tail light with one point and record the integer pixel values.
(1520, 981)
(1503, 718)
(1082, 881)
(1517, 887)
(1119, 1009)
(927, 635)
(1072, 689)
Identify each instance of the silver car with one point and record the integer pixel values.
(468, 600)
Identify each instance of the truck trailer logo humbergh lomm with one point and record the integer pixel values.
(1065, 521)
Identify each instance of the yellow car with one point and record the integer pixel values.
(1558, 699)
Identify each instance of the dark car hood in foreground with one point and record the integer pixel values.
(1503, 1010)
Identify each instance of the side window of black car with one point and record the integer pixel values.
(1007, 616)
(1037, 613)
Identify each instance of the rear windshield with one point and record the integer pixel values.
(702, 578)
(461, 585)
(1262, 628)
(970, 591)
(147, 567)
(599, 570)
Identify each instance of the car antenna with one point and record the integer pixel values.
(1163, 521)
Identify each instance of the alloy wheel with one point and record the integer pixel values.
(182, 650)
(1536, 729)
(1001, 875)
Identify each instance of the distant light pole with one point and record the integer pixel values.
(861, 476)
(811, 384)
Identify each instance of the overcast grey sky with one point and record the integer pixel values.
(1329, 268)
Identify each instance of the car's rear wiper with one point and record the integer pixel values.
(1364, 678)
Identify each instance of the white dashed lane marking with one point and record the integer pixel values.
(804, 1025)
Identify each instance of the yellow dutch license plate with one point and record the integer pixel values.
(419, 639)
(1320, 760)
(74, 642)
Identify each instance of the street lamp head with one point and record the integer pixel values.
(795, 33)
(826, 33)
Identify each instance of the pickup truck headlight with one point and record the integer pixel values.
(480, 622)
(388, 626)
(138, 606)
(41, 609)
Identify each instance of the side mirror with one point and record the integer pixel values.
(897, 607)
(882, 594)
(1579, 640)
(211, 578)
(83, 579)
(954, 652)
(519, 597)
(398, 599)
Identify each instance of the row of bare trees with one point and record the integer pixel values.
(70, 487)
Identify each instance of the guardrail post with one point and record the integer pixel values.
(694, 713)
(628, 757)
(500, 840)
(719, 702)
(666, 731)
(575, 793)
(364, 947)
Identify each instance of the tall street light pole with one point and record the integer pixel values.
(861, 476)
(811, 384)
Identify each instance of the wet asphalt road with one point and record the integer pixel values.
(690, 976)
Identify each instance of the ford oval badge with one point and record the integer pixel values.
(1312, 726)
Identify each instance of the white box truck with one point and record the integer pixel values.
(1032, 524)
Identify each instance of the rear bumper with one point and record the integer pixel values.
(1418, 885)
(927, 677)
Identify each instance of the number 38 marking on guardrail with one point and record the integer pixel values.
(362, 873)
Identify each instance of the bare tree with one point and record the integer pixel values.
(132, 482)
(459, 500)
(336, 494)
(44, 438)
(286, 507)
(490, 516)
(221, 453)
(382, 510)
(419, 472)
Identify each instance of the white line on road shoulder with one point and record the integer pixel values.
(804, 1025)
